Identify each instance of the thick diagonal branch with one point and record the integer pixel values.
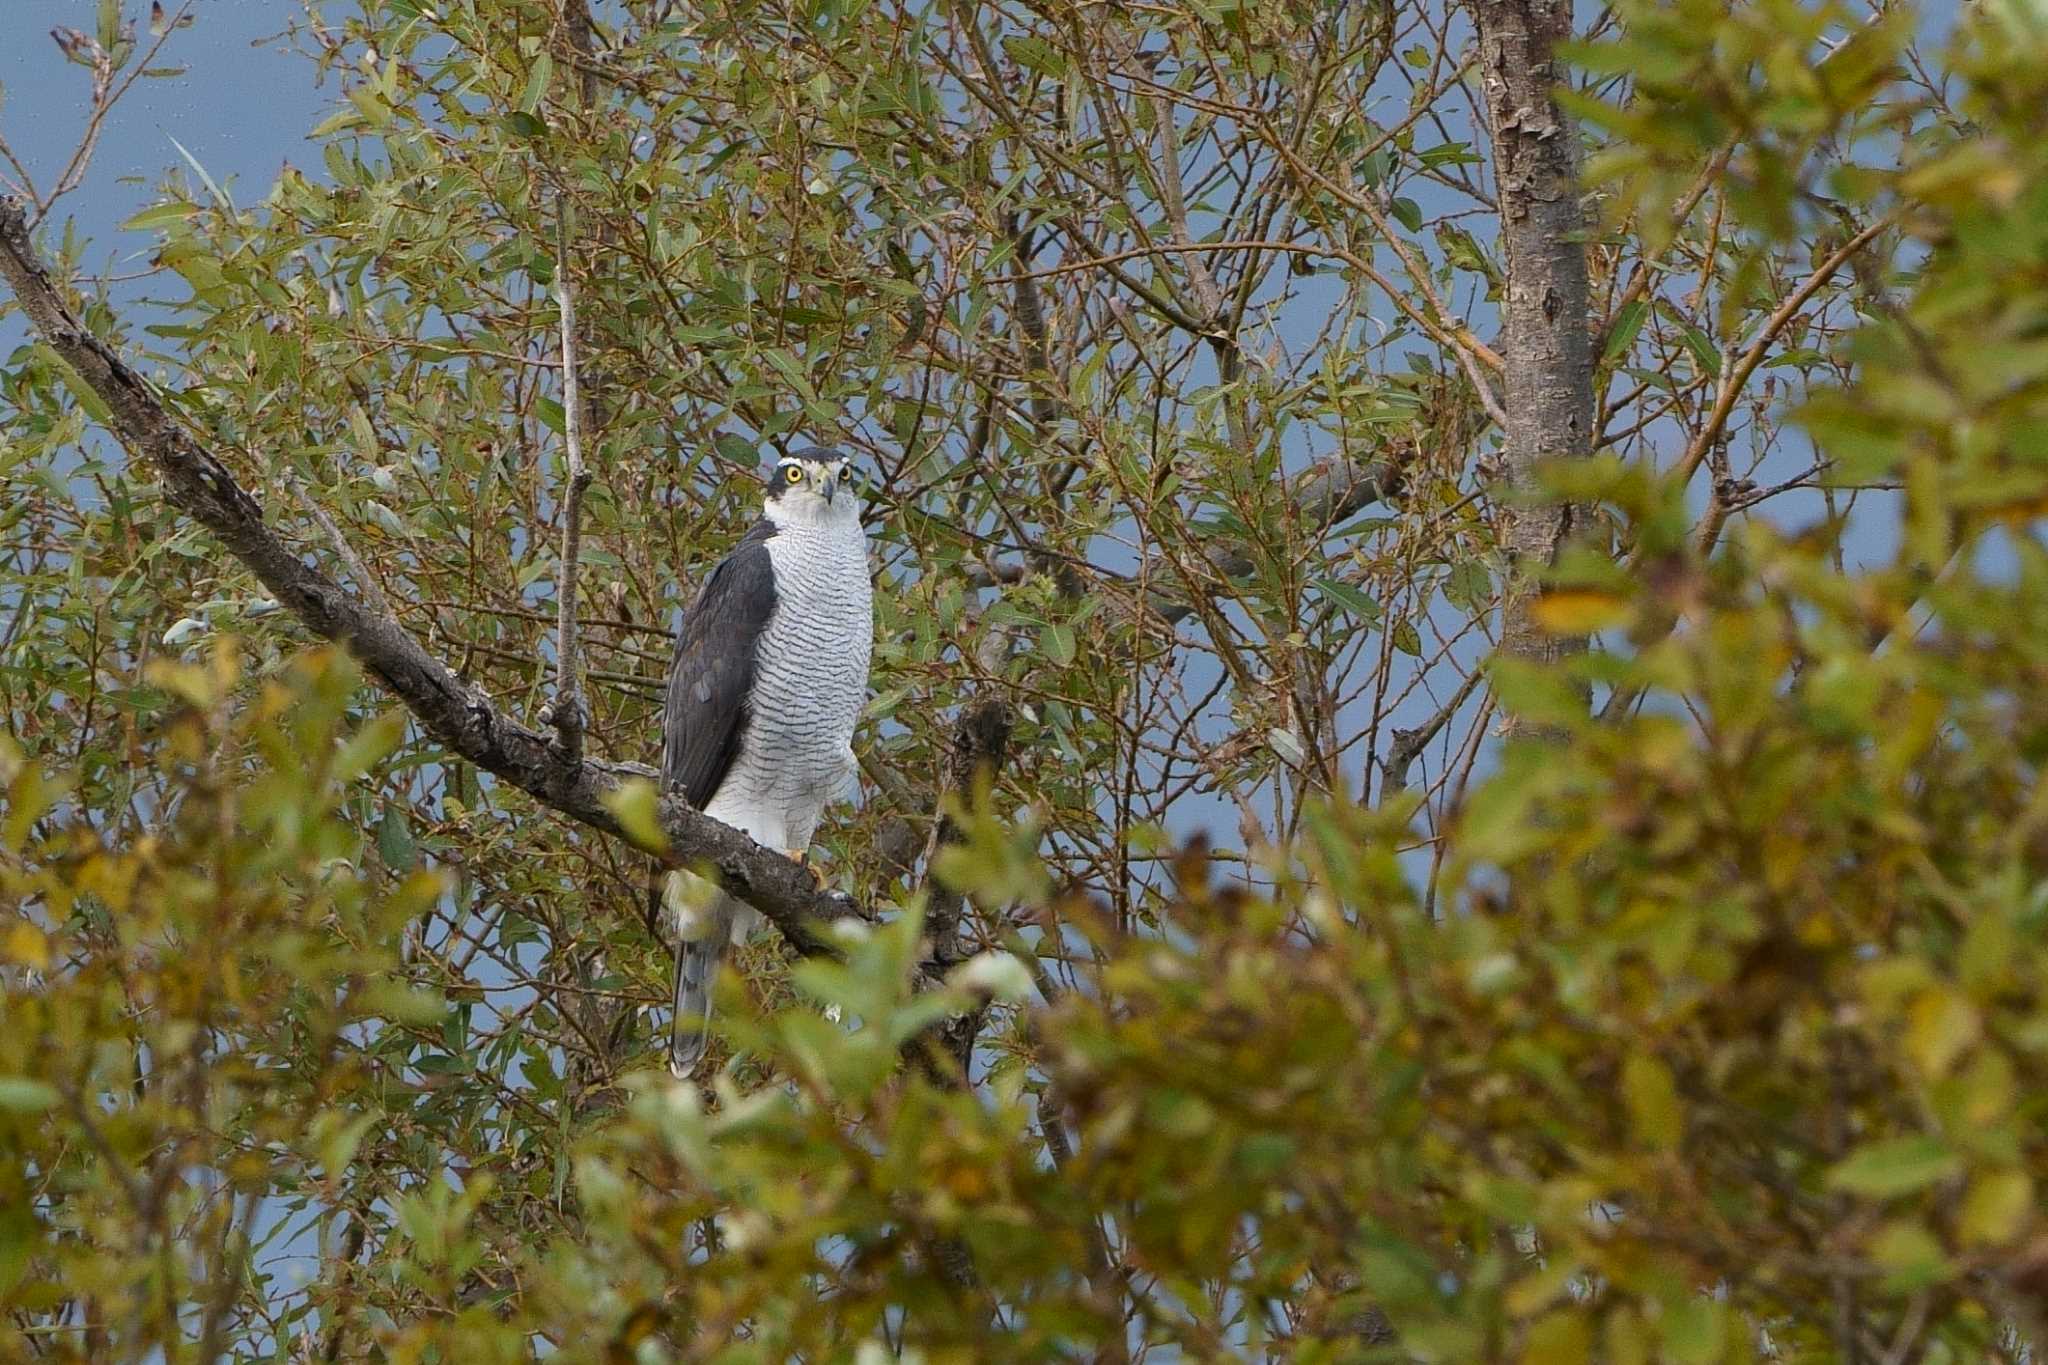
(457, 715)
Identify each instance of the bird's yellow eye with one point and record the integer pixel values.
(793, 474)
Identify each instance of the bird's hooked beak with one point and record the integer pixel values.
(830, 486)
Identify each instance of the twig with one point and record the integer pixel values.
(1208, 296)
(105, 96)
(1408, 744)
(360, 572)
(1323, 495)
(351, 1247)
(980, 749)
(1455, 336)
(1471, 352)
(1732, 383)
(1731, 388)
(568, 714)
(230, 1264)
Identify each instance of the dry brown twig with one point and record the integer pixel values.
(568, 713)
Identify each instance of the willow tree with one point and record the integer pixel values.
(1454, 763)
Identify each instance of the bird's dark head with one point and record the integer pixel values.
(817, 486)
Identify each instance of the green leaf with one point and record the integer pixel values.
(791, 369)
(1037, 54)
(219, 196)
(1351, 599)
(368, 746)
(21, 1095)
(536, 87)
(1703, 350)
(394, 839)
(402, 1003)
(1652, 1099)
(1469, 586)
(157, 215)
(95, 407)
(1896, 1166)
(1628, 325)
(1288, 745)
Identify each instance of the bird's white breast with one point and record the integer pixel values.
(810, 680)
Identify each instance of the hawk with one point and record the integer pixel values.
(769, 677)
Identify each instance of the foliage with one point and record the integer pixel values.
(1706, 1022)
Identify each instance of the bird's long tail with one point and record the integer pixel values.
(697, 960)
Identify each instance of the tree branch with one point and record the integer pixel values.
(568, 714)
(1736, 376)
(1324, 495)
(1409, 744)
(981, 745)
(458, 715)
(345, 552)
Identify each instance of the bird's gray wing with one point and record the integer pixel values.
(703, 722)
(713, 671)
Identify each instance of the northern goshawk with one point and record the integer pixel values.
(770, 674)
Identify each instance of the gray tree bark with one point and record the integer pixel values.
(1548, 343)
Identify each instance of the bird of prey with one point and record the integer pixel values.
(770, 674)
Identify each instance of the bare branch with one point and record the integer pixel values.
(1409, 744)
(105, 94)
(1452, 335)
(1471, 352)
(345, 552)
(1738, 375)
(981, 746)
(456, 714)
(568, 714)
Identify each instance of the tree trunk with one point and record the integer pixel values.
(1548, 346)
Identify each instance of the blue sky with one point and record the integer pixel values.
(242, 109)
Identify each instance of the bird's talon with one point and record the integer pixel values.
(802, 858)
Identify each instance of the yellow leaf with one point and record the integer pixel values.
(967, 1182)
(1996, 1207)
(1530, 1295)
(27, 945)
(110, 879)
(1561, 1338)
(1652, 1099)
(2023, 512)
(1912, 1254)
(1939, 1026)
(193, 682)
(1626, 1340)
(1578, 611)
